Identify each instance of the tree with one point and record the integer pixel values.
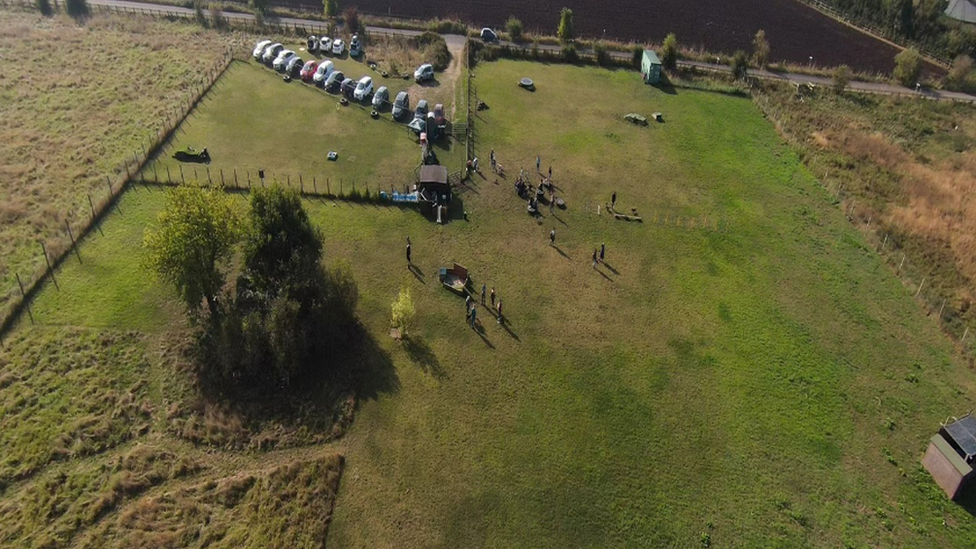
(44, 6)
(842, 77)
(960, 73)
(514, 27)
(565, 32)
(602, 54)
(351, 18)
(76, 8)
(199, 15)
(193, 239)
(739, 65)
(331, 8)
(261, 6)
(908, 67)
(403, 312)
(669, 52)
(637, 57)
(760, 49)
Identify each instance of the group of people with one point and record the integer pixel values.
(471, 311)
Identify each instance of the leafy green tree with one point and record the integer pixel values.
(44, 6)
(637, 56)
(908, 67)
(514, 27)
(669, 52)
(403, 312)
(842, 77)
(602, 54)
(739, 65)
(331, 8)
(760, 49)
(193, 240)
(76, 8)
(566, 32)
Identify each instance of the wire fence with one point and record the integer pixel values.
(98, 204)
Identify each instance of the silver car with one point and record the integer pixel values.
(282, 60)
(271, 52)
(260, 47)
(401, 105)
(381, 98)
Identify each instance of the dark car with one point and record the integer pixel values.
(488, 36)
(334, 81)
(348, 87)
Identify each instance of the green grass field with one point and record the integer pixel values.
(743, 369)
(254, 121)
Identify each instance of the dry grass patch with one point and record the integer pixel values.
(82, 99)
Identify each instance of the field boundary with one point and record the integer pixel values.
(101, 208)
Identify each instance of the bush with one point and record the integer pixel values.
(669, 52)
(569, 54)
(44, 6)
(602, 55)
(217, 19)
(739, 65)
(448, 26)
(960, 74)
(514, 28)
(908, 67)
(351, 19)
(198, 14)
(260, 6)
(403, 312)
(842, 77)
(331, 8)
(566, 32)
(435, 49)
(76, 8)
(760, 49)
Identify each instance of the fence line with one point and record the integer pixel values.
(132, 166)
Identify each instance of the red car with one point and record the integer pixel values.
(308, 71)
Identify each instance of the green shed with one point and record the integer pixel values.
(651, 67)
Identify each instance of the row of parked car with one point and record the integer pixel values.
(324, 73)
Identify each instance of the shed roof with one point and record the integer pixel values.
(963, 10)
(652, 57)
(962, 434)
(433, 174)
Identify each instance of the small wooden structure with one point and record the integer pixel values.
(455, 279)
(951, 455)
(433, 186)
(650, 67)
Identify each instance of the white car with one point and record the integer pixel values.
(294, 64)
(424, 72)
(338, 46)
(381, 98)
(363, 89)
(282, 60)
(355, 46)
(325, 44)
(259, 49)
(271, 52)
(335, 79)
(312, 43)
(323, 71)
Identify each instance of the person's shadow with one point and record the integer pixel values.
(417, 272)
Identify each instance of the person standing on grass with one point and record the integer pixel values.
(538, 164)
(550, 175)
(499, 308)
(467, 302)
(484, 292)
(493, 296)
(474, 317)
(603, 249)
(552, 237)
(493, 160)
(408, 253)
(594, 258)
(613, 200)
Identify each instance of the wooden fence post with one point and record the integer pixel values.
(48, 261)
(92, 206)
(23, 297)
(169, 178)
(72, 238)
(210, 181)
(182, 179)
(235, 177)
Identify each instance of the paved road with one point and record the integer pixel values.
(458, 41)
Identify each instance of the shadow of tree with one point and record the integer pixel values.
(422, 355)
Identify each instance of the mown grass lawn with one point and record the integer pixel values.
(767, 383)
(254, 121)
